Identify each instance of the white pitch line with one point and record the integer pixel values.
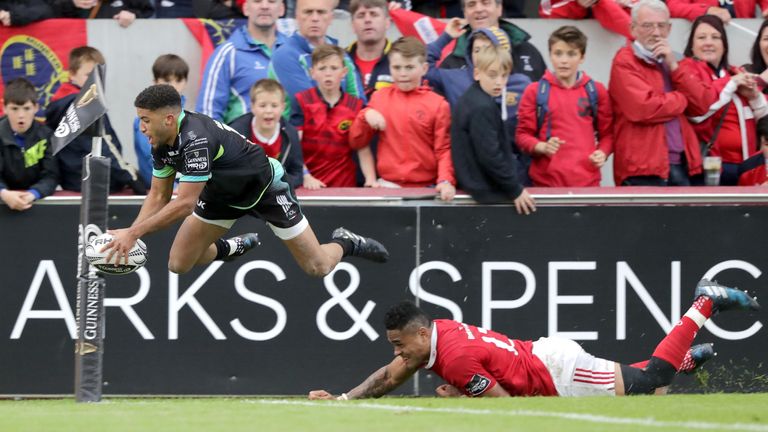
(648, 421)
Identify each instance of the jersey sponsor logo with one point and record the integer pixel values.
(285, 203)
(201, 204)
(477, 385)
(345, 125)
(196, 161)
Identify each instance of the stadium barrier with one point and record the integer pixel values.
(610, 268)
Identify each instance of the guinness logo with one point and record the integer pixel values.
(88, 97)
(84, 348)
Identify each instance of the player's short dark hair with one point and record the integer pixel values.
(158, 96)
(572, 36)
(19, 91)
(404, 314)
(409, 47)
(170, 66)
(83, 54)
(325, 51)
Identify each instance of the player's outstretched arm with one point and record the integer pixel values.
(378, 384)
(157, 197)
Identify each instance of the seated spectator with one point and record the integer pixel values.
(752, 171)
(167, 69)
(452, 83)
(291, 62)
(725, 10)
(16, 13)
(323, 115)
(124, 12)
(265, 126)
(82, 61)
(728, 127)
(568, 138)
(758, 56)
(413, 125)
(613, 15)
(480, 148)
(526, 58)
(240, 62)
(217, 9)
(654, 144)
(28, 170)
(174, 9)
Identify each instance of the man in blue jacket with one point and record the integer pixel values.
(241, 61)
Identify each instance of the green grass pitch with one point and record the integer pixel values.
(712, 412)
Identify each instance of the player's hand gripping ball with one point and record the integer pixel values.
(137, 256)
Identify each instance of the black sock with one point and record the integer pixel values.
(346, 245)
(222, 248)
(658, 373)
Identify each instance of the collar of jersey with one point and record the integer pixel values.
(432, 347)
(179, 120)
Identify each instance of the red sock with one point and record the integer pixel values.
(703, 304)
(673, 348)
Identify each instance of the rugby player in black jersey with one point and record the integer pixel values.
(222, 178)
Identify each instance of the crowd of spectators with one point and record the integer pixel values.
(485, 115)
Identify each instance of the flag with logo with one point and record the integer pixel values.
(85, 109)
(39, 52)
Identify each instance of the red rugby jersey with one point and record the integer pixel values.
(474, 359)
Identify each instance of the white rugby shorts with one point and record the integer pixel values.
(574, 371)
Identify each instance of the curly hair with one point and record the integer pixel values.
(403, 315)
(158, 96)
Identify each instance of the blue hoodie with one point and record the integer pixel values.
(452, 83)
(230, 72)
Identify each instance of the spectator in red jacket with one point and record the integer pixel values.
(753, 170)
(654, 144)
(613, 15)
(725, 10)
(759, 56)
(572, 142)
(732, 96)
(413, 124)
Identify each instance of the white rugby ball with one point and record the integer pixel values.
(137, 256)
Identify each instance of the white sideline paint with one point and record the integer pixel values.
(590, 418)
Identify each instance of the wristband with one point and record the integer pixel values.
(343, 397)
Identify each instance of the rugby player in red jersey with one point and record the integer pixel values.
(479, 362)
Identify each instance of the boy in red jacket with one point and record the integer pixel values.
(568, 140)
(413, 124)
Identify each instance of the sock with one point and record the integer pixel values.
(639, 365)
(346, 245)
(658, 373)
(673, 348)
(222, 248)
(687, 363)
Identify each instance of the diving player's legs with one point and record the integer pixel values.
(314, 258)
(194, 244)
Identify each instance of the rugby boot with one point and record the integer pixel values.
(695, 357)
(725, 298)
(243, 243)
(363, 247)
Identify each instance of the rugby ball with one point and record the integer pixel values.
(137, 256)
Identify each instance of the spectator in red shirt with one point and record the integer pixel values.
(654, 144)
(324, 115)
(370, 22)
(753, 170)
(725, 10)
(572, 142)
(613, 15)
(735, 103)
(759, 55)
(413, 124)
(479, 362)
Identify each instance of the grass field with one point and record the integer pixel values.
(720, 412)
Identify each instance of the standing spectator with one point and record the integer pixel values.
(654, 144)
(28, 170)
(487, 13)
(217, 9)
(167, 69)
(265, 126)
(613, 15)
(570, 134)
(370, 22)
(291, 62)
(324, 115)
(413, 125)
(241, 61)
(18, 13)
(82, 61)
(735, 102)
(723, 9)
(759, 55)
(480, 147)
(753, 171)
(124, 12)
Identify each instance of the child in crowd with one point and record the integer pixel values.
(565, 119)
(28, 170)
(452, 83)
(413, 124)
(324, 115)
(753, 170)
(265, 126)
(167, 69)
(82, 61)
(480, 144)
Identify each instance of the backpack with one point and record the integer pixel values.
(542, 104)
